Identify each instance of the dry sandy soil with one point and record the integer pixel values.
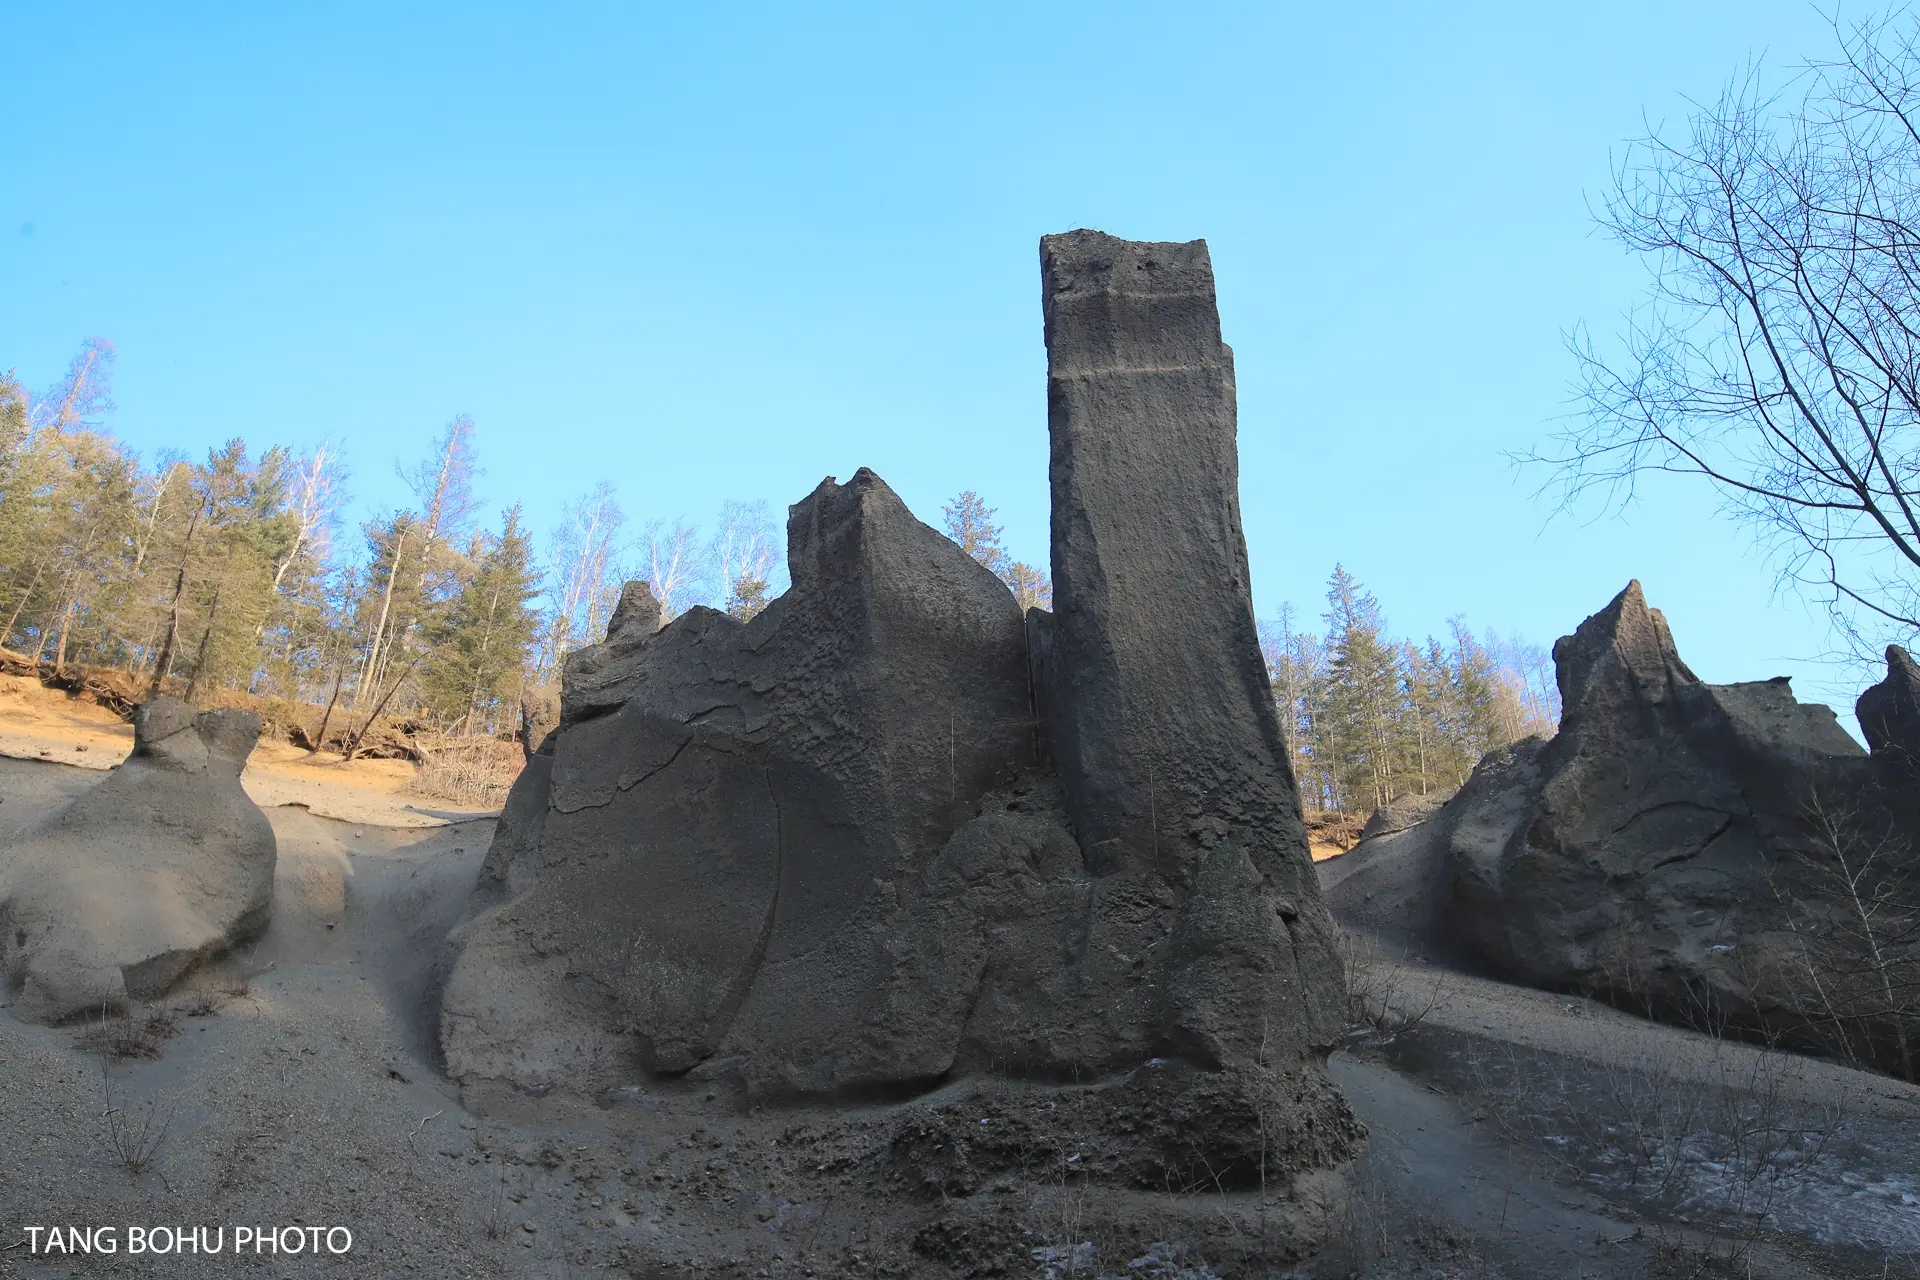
(1514, 1134)
(37, 723)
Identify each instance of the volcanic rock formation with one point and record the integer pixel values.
(889, 835)
(163, 865)
(1682, 848)
(1402, 812)
(1889, 715)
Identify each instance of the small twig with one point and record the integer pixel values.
(423, 1124)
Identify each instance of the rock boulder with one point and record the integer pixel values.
(1889, 715)
(161, 866)
(1690, 851)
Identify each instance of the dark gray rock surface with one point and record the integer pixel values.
(159, 867)
(738, 815)
(824, 856)
(1889, 715)
(1156, 705)
(539, 716)
(1690, 851)
(1395, 884)
(1664, 803)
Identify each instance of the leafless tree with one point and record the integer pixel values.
(1778, 357)
(745, 548)
(672, 554)
(583, 551)
(1851, 900)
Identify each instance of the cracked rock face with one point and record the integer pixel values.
(890, 836)
(1647, 853)
(163, 865)
(1640, 866)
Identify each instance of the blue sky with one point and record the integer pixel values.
(721, 251)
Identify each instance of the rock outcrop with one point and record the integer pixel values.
(539, 716)
(742, 822)
(889, 836)
(1403, 812)
(1153, 692)
(1664, 804)
(1889, 715)
(163, 865)
(1680, 848)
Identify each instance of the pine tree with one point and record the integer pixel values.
(477, 649)
(970, 523)
(744, 551)
(747, 598)
(1031, 588)
(1365, 699)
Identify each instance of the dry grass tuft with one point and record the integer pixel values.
(134, 1133)
(118, 1037)
(471, 771)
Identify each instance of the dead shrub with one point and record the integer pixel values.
(1851, 897)
(1384, 998)
(470, 771)
(118, 1037)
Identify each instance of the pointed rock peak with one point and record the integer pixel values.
(861, 532)
(826, 529)
(1889, 714)
(1626, 636)
(1900, 663)
(638, 613)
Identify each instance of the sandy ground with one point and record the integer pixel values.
(37, 723)
(1513, 1133)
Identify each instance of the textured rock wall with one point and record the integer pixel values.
(1695, 852)
(826, 855)
(1158, 712)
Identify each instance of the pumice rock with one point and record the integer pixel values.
(890, 844)
(163, 865)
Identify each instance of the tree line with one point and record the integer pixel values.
(233, 572)
(1369, 718)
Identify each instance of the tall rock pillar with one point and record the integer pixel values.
(1153, 691)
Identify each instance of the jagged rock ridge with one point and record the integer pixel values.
(1678, 847)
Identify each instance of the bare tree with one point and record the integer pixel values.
(1851, 902)
(743, 553)
(673, 564)
(1779, 355)
(582, 555)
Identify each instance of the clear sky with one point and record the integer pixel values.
(720, 251)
